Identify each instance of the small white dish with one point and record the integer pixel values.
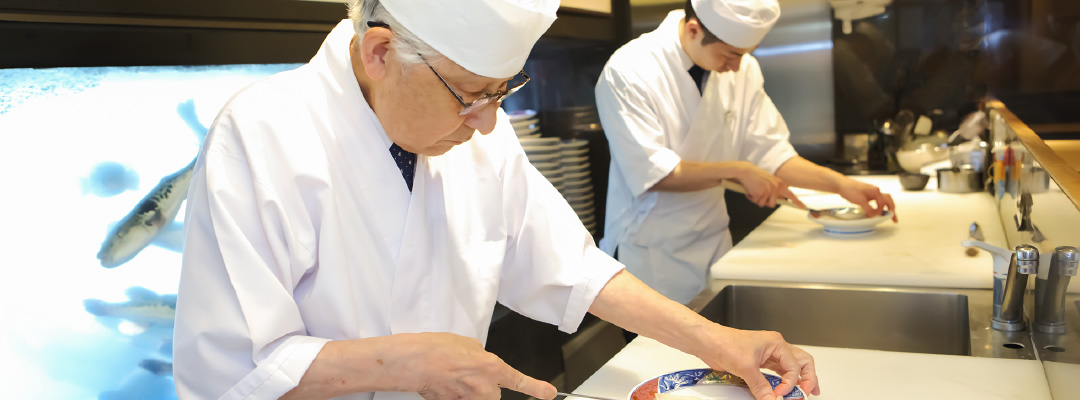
(850, 228)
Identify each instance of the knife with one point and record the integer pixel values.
(584, 396)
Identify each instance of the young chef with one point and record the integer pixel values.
(684, 108)
(349, 232)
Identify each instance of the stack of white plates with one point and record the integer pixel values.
(526, 123)
(546, 155)
(578, 183)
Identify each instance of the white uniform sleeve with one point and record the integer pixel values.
(638, 146)
(766, 143)
(553, 269)
(238, 330)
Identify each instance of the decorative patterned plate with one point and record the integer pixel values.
(700, 383)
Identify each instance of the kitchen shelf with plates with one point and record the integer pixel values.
(565, 164)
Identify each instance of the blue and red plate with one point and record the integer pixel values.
(703, 383)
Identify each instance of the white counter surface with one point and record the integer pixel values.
(848, 374)
(922, 250)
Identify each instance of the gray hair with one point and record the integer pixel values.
(406, 45)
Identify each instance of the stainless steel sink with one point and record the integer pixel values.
(932, 321)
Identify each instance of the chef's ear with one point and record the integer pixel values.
(694, 28)
(375, 51)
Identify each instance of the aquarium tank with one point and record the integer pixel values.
(95, 165)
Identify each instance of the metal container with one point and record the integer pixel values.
(970, 158)
(959, 180)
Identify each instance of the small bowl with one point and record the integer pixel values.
(910, 181)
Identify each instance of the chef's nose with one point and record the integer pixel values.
(483, 120)
(733, 64)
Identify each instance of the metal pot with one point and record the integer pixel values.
(959, 180)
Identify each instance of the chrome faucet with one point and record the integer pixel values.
(1025, 261)
(1050, 292)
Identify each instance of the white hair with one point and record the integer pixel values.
(406, 45)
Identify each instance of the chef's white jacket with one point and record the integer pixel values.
(301, 230)
(654, 116)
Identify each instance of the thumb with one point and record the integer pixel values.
(522, 383)
(759, 386)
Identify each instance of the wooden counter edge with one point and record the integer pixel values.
(1059, 169)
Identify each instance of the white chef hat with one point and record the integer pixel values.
(490, 38)
(740, 23)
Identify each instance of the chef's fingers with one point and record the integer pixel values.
(773, 197)
(886, 201)
(759, 386)
(514, 380)
(808, 379)
(788, 194)
(789, 367)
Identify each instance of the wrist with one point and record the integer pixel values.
(707, 340)
(733, 170)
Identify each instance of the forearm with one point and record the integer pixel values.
(799, 172)
(347, 366)
(691, 176)
(631, 304)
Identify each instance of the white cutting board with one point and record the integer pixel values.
(923, 249)
(848, 374)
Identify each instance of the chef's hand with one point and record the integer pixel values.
(861, 194)
(763, 188)
(744, 353)
(449, 366)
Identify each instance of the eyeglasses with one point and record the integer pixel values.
(514, 84)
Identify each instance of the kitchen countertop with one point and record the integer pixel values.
(922, 250)
(848, 374)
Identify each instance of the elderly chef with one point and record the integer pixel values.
(348, 233)
(683, 109)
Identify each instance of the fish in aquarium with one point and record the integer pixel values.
(144, 308)
(156, 367)
(153, 213)
(109, 178)
(186, 110)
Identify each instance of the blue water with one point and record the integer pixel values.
(80, 147)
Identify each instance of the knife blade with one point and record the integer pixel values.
(584, 396)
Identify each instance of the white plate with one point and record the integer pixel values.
(526, 130)
(850, 228)
(574, 144)
(539, 141)
(544, 158)
(577, 175)
(575, 167)
(541, 149)
(569, 152)
(529, 137)
(578, 191)
(703, 383)
(574, 183)
(575, 160)
(579, 198)
(546, 166)
(521, 114)
(586, 206)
